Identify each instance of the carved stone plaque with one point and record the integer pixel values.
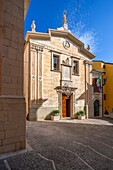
(66, 83)
(66, 73)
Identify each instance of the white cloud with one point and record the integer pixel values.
(88, 37)
(76, 15)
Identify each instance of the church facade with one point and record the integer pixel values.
(57, 74)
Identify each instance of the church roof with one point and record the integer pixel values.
(60, 33)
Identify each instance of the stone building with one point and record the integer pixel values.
(57, 73)
(12, 101)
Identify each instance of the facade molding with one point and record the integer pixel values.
(63, 34)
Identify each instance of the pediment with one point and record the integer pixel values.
(63, 38)
(69, 37)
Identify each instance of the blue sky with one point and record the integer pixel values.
(89, 20)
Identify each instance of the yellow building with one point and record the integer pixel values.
(107, 87)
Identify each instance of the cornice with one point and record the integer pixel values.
(37, 36)
(68, 35)
(60, 33)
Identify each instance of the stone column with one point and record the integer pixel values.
(12, 103)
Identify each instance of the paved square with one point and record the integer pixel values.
(72, 145)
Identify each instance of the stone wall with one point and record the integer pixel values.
(12, 103)
(12, 124)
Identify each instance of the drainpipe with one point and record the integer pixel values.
(85, 91)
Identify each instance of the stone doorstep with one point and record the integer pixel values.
(85, 121)
(7, 155)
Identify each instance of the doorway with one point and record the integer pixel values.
(96, 108)
(65, 106)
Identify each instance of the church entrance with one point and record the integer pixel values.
(65, 106)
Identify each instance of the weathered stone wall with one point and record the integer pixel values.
(26, 76)
(12, 103)
(12, 124)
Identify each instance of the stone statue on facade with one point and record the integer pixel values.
(33, 26)
(64, 21)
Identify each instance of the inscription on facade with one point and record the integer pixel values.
(66, 73)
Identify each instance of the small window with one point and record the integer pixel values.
(55, 62)
(75, 67)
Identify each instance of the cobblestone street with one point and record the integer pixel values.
(65, 146)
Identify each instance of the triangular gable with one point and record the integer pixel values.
(60, 33)
(72, 38)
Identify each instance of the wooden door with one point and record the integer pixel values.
(65, 106)
(96, 108)
(68, 107)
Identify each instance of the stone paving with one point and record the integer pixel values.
(65, 145)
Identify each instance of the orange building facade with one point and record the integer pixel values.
(107, 86)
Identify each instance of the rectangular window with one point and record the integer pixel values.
(75, 66)
(55, 62)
